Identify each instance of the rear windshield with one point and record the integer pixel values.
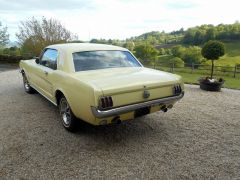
(92, 60)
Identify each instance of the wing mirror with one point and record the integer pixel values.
(36, 60)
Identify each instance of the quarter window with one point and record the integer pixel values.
(49, 58)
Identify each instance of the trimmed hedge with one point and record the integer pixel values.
(4, 58)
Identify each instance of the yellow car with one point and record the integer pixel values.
(99, 84)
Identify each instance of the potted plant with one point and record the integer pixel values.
(212, 50)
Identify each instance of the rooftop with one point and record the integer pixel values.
(78, 47)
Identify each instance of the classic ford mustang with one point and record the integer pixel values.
(99, 84)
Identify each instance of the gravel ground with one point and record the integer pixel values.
(198, 139)
(6, 67)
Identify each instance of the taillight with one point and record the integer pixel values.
(106, 102)
(177, 89)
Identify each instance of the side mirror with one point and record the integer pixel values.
(37, 60)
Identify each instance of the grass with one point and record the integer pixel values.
(164, 58)
(229, 60)
(232, 56)
(230, 82)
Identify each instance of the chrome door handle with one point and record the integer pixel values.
(45, 72)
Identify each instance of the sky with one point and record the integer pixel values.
(119, 19)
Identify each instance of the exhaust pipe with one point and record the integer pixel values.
(116, 120)
(164, 108)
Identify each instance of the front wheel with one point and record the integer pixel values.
(27, 86)
(69, 121)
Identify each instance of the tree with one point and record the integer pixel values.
(212, 50)
(35, 34)
(178, 51)
(189, 36)
(161, 51)
(192, 54)
(210, 34)
(178, 62)
(198, 38)
(4, 36)
(145, 52)
(129, 45)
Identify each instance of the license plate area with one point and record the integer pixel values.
(142, 111)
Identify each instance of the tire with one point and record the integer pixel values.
(28, 89)
(69, 121)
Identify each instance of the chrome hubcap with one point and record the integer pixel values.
(26, 85)
(65, 112)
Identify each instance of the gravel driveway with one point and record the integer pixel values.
(199, 138)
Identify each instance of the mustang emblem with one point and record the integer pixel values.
(146, 94)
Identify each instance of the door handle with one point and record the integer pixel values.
(45, 72)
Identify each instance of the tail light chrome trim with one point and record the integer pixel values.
(103, 113)
(177, 89)
(105, 102)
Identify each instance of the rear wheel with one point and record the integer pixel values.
(69, 121)
(27, 86)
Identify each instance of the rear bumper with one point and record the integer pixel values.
(125, 109)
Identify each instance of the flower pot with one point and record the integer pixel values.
(211, 86)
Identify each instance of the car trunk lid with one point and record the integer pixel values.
(127, 85)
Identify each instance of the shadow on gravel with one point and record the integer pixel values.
(7, 67)
(133, 130)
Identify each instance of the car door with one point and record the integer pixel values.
(45, 72)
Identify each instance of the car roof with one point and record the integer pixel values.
(79, 47)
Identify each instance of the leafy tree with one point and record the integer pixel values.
(178, 62)
(210, 34)
(94, 41)
(189, 36)
(35, 34)
(212, 50)
(198, 38)
(129, 45)
(192, 55)
(178, 51)
(161, 51)
(4, 36)
(145, 52)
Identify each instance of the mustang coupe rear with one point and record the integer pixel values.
(99, 84)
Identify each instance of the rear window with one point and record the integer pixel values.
(92, 60)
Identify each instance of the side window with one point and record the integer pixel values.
(49, 58)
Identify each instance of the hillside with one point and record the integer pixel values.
(232, 56)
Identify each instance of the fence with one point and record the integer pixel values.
(227, 70)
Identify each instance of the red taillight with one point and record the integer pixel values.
(106, 102)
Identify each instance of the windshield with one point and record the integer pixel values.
(92, 60)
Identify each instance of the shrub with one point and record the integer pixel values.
(212, 50)
(178, 62)
(11, 59)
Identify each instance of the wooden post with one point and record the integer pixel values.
(192, 67)
(235, 71)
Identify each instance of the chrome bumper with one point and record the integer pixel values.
(128, 108)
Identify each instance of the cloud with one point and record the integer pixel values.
(178, 5)
(119, 18)
(28, 5)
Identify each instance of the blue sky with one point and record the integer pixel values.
(120, 19)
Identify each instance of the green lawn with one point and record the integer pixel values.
(232, 56)
(230, 82)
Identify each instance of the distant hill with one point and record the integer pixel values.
(192, 36)
(232, 56)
